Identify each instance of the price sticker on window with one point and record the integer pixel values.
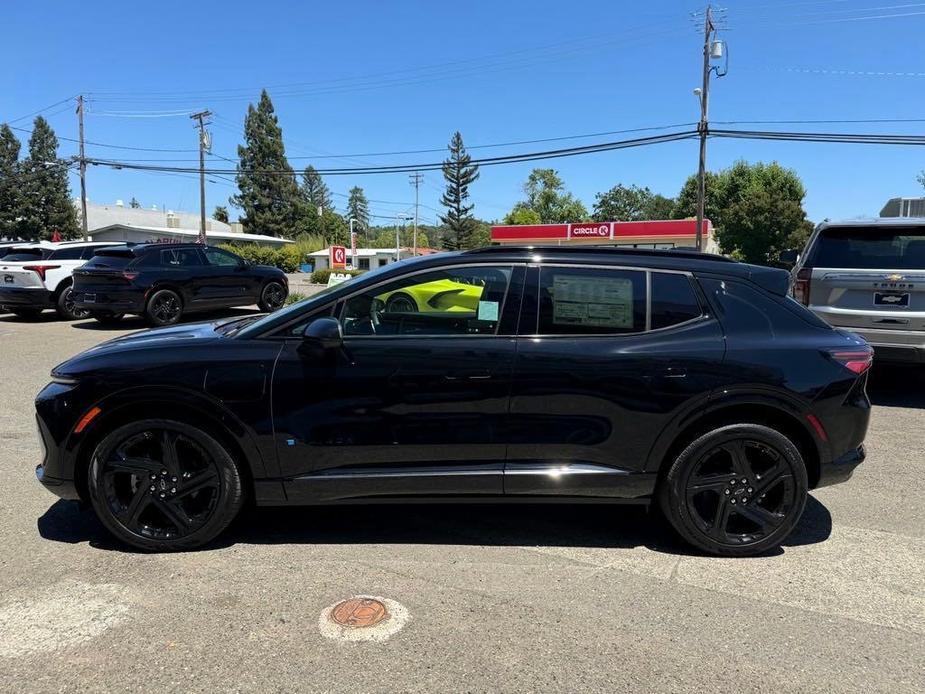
(488, 310)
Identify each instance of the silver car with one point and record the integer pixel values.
(868, 276)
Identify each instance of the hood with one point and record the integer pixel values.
(132, 345)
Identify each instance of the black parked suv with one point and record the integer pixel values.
(514, 374)
(163, 281)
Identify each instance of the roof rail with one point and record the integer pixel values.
(615, 250)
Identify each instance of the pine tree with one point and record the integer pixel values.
(220, 214)
(459, 174)
(358, 208)
(45, 194)
(9, 184)
(267, 190)
(315, 191)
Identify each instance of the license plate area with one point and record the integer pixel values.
(892, 299)
(90, 298)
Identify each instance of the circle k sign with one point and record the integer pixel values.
(589, 230)
(338, 256)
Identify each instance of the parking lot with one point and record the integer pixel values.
(498, 598)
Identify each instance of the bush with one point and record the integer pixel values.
(288, 258)
(321, 276)
(294, 297)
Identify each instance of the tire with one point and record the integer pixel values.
(106, 318)
(736, 491)
(165, 307)
(141, 498)
(65, 305)
(272, 297)
(401, 303)
(26, 313)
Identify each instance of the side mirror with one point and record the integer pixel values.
(325, 334)
(790, 257)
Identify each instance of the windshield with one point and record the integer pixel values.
(871, 248)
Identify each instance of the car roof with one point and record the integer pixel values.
(875, 222)
(139, 248)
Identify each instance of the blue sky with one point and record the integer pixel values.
(361, 77)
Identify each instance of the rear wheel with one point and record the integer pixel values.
(65, 305)
(401, 303)
(736, 491)
(162, 485)
(164, 307)
(273, 297)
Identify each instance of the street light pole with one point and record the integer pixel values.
(353, 244)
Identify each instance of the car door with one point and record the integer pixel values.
(607, 359)
(415, 403)
(226, 279)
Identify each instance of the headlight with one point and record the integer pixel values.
(63, 380)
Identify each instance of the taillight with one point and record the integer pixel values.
(801, 285)
(40, 270)
(855, 361)
(129, 275)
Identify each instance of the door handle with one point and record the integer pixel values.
(478, 376)
(675, 372)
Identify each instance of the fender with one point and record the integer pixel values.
(787, 404)
(170, 397)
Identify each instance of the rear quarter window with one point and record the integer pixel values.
(673, 300)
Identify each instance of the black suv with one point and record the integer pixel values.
(163, 281)
(502, 375)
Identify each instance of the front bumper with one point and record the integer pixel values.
(65, 489)
(841, 469)
(26, 297)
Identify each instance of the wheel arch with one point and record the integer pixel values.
(140, 403)
(774, 414)
(62, 285)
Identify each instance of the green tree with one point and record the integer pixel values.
(631, 204)
(547, 197)
(521, 214)
(459, 173)
(268, 194)
(384, 237)
(45, 197)
(358, 208)
(220, 214)
(315, 191)
(756, 209)
(9, 183)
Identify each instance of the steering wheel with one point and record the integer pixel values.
(375, 314)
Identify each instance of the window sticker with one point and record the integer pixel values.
(488, 310)
(603, 302)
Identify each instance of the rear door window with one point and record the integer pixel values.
(591, 301)
(67, 253)
(870, 248)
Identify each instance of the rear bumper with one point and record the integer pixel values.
(841, 469)
(110, 301)
(25, 297)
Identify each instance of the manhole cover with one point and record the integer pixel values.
(363, 618)
(359, 612)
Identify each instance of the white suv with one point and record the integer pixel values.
(37, 276)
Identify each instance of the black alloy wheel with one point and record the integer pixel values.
(400, 303)
(736, 491)
(164, 485)
(66, 308)
(273, 297)
(164, 308)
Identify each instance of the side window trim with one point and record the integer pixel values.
(648, 318)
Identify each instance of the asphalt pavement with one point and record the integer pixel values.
(494, 598)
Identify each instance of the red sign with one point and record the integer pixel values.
(591, 230)
(338, 257)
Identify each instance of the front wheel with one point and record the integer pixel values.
(161, 485)
(736, 491)
(273, 297)
(164, 308)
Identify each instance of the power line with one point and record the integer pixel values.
(41, 110)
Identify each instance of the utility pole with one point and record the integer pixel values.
(711, 49)
(703, 127)
(416, 179)
(200, 117)
(83, 167)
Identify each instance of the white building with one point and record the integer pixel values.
(141, 234)
(367, 258)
